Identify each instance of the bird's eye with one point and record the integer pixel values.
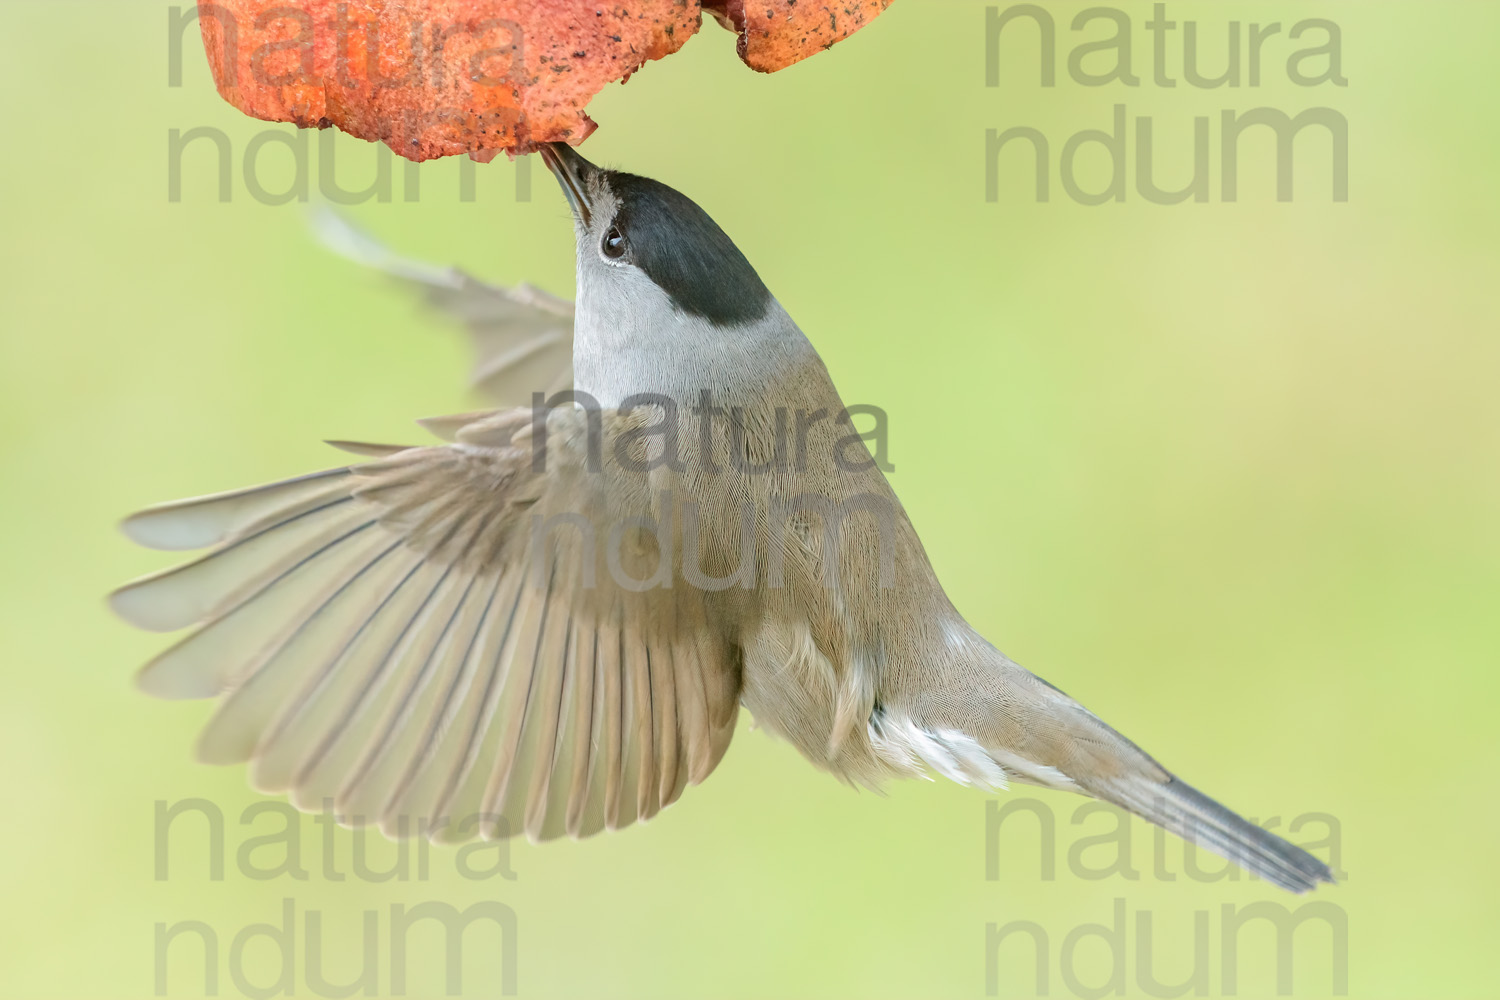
(613, 246)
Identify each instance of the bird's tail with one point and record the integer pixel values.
(1182, 809)
(1094, 758)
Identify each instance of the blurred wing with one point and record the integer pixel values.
(522, 337)
(402, 639)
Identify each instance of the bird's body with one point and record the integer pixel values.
(549, 623)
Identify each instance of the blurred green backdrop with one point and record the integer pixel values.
(1236, 489)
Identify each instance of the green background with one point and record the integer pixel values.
(1225, 472)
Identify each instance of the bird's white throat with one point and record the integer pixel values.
(634, 341)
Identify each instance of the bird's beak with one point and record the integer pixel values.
(571, 171)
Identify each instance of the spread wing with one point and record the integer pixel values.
(430, 642)
(522, 337)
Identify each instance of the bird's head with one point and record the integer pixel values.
(648, 248)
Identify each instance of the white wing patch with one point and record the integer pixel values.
(911, 748)
(907, 746)
(1031, 772)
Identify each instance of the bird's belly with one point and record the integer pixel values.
(823, 709)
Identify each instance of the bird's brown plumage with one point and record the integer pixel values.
(545, 623)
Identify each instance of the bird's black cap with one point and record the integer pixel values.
(685, 252)
(675, 242)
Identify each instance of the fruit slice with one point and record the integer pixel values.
(433, 78)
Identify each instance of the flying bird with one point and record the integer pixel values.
(546, 622)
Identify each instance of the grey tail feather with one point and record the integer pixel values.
(1187, 812)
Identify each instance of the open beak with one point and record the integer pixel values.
(571, 170)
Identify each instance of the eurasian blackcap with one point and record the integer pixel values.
(549, 623)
